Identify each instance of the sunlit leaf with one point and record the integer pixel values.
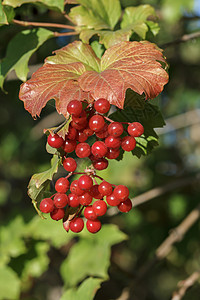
(56, 5)
(6, 14)
(9, 284)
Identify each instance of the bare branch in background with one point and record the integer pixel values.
(184, 38)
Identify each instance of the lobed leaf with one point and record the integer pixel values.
(55, 5)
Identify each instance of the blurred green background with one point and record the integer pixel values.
(38, 259)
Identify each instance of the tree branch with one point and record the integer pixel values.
(40, 24)
(184, 38)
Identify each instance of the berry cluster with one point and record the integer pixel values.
(109, 136)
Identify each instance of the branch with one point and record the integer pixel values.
(40, 24)
(65, 33)
(184, 285)
(184, 38)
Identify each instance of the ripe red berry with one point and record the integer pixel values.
(46, 205)
(112, 200)
(55, 141)
(115, 129)
(74, 107)
(81, 119)
(103, 133)
(60, 200)
(85, 182)
(121, 192)
(76, 225)
(135, 129)
(88, 131)
(100, 164)
(125, 206)
(105, 188)
(57, 214)
(113, 142)
(99, 149)
(69, 164)
(96, 123)
(85, 199)
(94, 192)
(73, 200)
(75, 189)
(83, 150)
(82, 137)
(128, 143)
(72, 133)
(89, 213)
(102, 105)
(79, 126)
(69, 145)
(112, 153)
(99, 207)
(93, 226)
(62, 185)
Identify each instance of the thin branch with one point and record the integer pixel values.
(40, 24)
(184, 285)
(65, 33)
(69, 19)
(184, 38)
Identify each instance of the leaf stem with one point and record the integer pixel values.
(65, 33)
(38, 24)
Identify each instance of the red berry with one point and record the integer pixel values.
(57, 214)
(121, 192)
(82, 137)
(135, 129)
(89, 213)
(112, 200)
(60, 200)
(85, 182)
(99, 207)
(73, 200)
(113, 142)
(94, 192)
(93, 226)
(102, 105)
(115, 129)
(69, 164)
(83, 150)
(85, 199)
(105, 188)
(103, 133)
(81, 119)
(69, 145)
(76, 225)
(72, 133)
(128, 143)
(100, 164)
(96, 123)
(62, 185)
(125, 206)
(46, 205)
(79, 126)
(99, 149)
(112, 153)
(75, 189)
(55, 141)
(88, 131)
(74, 107)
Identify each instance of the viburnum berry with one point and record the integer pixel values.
(135, 129)
(60, 200)
(100, 164)
(115, 129)
(121, 192)
(73, 200)
(69, 164)
(76, 225)
(128, 143)
(81, 119)
(112, 153)
(105, 188)
(99, 149)
(47, 205)
(72, 133)
(93, 226)
(94, 192)
(57, 214)
(96, 123)
(81, 126)
(83, 150)
(88, 131)
(75, 189)
(89, 213)
(99, 207)
(55, 141)
(103, 133)
(85, 182)
(85, 199)
(74, 107)
(62, 185)
(112, 200)
(113, 142)
(102, 105)
(69, 145)
(82, 137)
(125, 206)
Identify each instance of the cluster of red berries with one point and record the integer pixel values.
(87, 122)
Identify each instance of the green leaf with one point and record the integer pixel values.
(96, 14)
(9, 284)
(135, 18)
(98, 48)
(55, 5)
(19, 51)
(91, 255)
(86, 290)
(6, 14)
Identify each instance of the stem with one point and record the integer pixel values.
(38, 211)
(65, 33)
(38, 24)
(184, 38)
(108, 119)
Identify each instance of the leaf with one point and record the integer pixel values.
(98, 48)
(134, 65)
(135, 18)
(3, 17)
(61, 130)
(96, 14)
(91, 255)
(55, 5)
(19, 51)
(6, 14)
(9, 284)
(86, 290)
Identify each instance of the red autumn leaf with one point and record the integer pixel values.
(53, 81)
(134, 65)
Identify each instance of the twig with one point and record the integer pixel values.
(184, 285)
(184, 38)
(65, 33)
(40, 24)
